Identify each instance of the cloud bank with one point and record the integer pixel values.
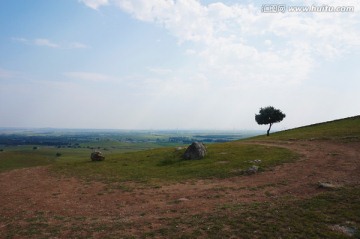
(239, 42)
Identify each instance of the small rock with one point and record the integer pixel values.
(256, 161)
(183, 199)
(349, 231)
(328, 185)
(252, 170)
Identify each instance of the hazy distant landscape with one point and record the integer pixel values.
(64, 137)
(115, 139)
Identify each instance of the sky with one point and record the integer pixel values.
(175, 64)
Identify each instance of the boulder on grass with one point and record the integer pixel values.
(97, 156)
(196, 150)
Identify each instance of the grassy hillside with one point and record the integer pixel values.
(224, 160)
(329, 213)
(343, 129)
(15, 157)
(166, 164)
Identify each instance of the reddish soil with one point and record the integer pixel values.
(31, 190)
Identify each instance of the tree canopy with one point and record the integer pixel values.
(269, 115)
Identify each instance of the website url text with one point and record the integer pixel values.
(282, 8)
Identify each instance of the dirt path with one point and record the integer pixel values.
(35, 190)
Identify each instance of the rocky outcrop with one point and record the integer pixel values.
(196, 150)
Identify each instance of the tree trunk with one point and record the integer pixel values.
(268, 131)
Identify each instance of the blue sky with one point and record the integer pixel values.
(175, 64)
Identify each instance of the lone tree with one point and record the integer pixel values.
(269, 115)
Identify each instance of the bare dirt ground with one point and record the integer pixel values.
(32, 190)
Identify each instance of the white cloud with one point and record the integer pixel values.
(20, 39)
(159, 70)
(268, 42)
(228, 35)
(78, 45)
(185, 19)
(89, 76)
(94, 4)
(45, 42)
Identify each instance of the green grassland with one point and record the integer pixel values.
(166, 164)
(347, 129)
(25, 156)
(144, 162)
(14, 157)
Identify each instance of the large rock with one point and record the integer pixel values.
(196, 150)
(97, 156)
